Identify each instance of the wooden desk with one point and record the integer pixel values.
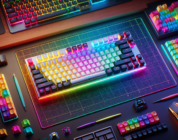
(8, 40)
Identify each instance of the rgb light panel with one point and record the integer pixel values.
(138, 123)
(58, 71)
(7, 108)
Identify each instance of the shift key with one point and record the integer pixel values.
(122, 62)
(128, 55)
(46, 84)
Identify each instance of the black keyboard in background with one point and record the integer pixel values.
(106, 133)
(26, 14)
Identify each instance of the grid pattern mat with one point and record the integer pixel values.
(90, 99)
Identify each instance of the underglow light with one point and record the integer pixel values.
(93, 82)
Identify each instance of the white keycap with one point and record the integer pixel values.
(95, 60)
(106, 52)
(95, 43)
(46, 74)
(54, 61)
(110, 38)
(84, 68)
(92, 71)
(107, 46)
(97, 69)
(73, 76)
(98, 64)
(112, 60)
(107, 61)
(76, 65)
(44, 64)
(99, 59)
(80, 64)
(58, 81)
(111, 65)
(115, 37)
(119, 53)
(49, 62)
(97, 54)
(101, 68)
(100, 41)
(77, 60)
(83, 73)
(63, 79)
(85, 63)
(92, 55)
(101, 53)
(87, 57)
(68, 78)
(90, 61)
(74, 71)
(79, 70)
(88, 67)
(43, 70)
(78, 75)
(114, 54)
(53, 66)
(38, 65)
(49, 78)
(64, 58)
(50, 55)
(66, 68)
(106, 66)
(58, 65)
(63, 64)
(45, 56)
(111, 50)
(59, 59)
(102, 63)
(71, 67)
(54, 77)
(61, 69)
(69, 72)
(55, 53)
(39, 57)
(109, 56)
(117, 58)
(105, 40)
(104, 57)
(87, 72)
(64, 74)
(72, 61)
(82, 58)
(56, 71)
(116, 49)
(59, 75)
(93, 65)
(48, 68)
(68, 62)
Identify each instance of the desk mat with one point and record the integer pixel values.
(77, 103)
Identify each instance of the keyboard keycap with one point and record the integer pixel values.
(88, 137)
(39, 81)
(11, 10)
(46, 84)
(128, 50)
(124, 46)
(54, 14)
(128, 55)
(12, 15)
(121, 62)
(109, 136)
(123, 68)
(12, 20)
(120, 42)
(103, 132)
(7, 6)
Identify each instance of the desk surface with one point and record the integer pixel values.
(126, 108)
(10, 40)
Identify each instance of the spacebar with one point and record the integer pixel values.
(51, 15)
(89, 77)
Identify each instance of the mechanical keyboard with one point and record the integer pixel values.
(26, 14)
(84, 64)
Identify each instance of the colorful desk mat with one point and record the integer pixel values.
(80, 102)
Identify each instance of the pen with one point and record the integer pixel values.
(100, 120)
(167, 97)
(19, 92)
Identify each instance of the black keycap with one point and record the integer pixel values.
(74, 48)
(46, 84)
(25, 1)
(7, 6)
(139, 57)
(139, 134)
(30, 0)
(128, 55)
(61, 1)
(69, 50)
(71, 9)
(20, 2)
(53, 88)
(12, 20)
(144, 133)
(36, 8)
(41, 6)
(134, 136)
(39, 12)
(74, 2)
(12, 15)
(66, 84)
(42, 92)
(32, 20)
(101, 138)
(164, 126)
(44, 11)
(33, 3)
(26, 11)
(129, 137)
(130, 38)
(18, 8)
(54, 8)
(159, 127)
(109, 72)
(123, 68)
(27, 22)
(21, 13)
(57, 13)
(44, 1)
(59, 7)
(154, 129)
(29, 15)
(64, 5)
(69, 4)
(34, 14)
(79, 47)
(49, 0)
(56, 3)
(11, 1)
(66, 1)
(28, 5)
(51, 4)
(128, 50)
(103, 132)
(14, 4)
(59, 86)
(3, 60)
(31, 9)
(49, 9)
(81, 1)
(149, 131)
(32, 67)
(136, 64)
(5, 2)
(130, 66)
(76, 7)
(24, 16)
(142, 63)
(120, 42)
(85, 45)
(42, 80)
(47, 90)
(121, 62)
(133, 58)
(109, 136)
(35, 72)
(116, 70)
(19, 18)
(124, 46)
(88, 137)
(11, 10)
(39, 76)
(39, 2)
(46, 5)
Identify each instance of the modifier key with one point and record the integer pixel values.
(120, 42)
(124, 56)
(12, 20)
(11, 10)
(12, 15)
(51, 15)
(121, 62)
(46, 84)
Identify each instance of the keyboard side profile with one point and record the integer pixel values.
(84, 64)
(25, 14)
